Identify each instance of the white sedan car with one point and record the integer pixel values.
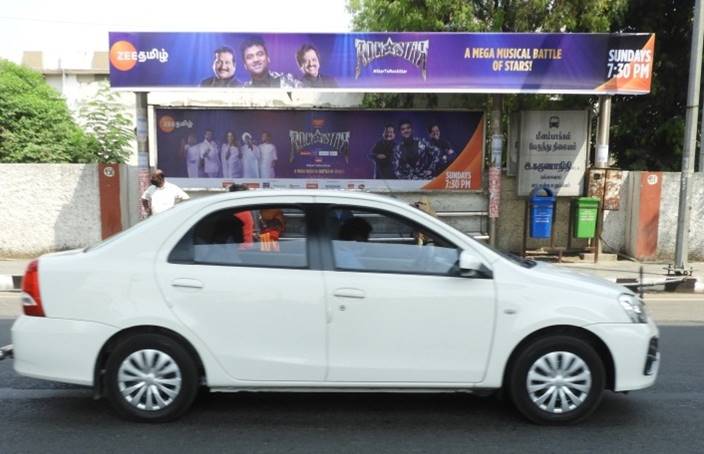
(317, 290)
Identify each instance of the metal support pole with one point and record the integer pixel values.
(690, 133)
(495, 168)
(601, 160)
(701, 140)
(142, 133)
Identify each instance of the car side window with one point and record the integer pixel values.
(374, 241)
(266, 236)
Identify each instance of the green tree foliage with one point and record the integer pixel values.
(485, 15)
(648, 131)
(35, 123)
(107, 125)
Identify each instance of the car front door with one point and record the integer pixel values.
(398, 309)
(251, 294)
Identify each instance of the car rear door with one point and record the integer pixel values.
(258, 306)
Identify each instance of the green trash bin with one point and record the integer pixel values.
(586, 211)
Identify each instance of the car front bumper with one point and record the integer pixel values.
(633, 347)
(58, 349)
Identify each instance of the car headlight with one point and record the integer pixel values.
(634, 307)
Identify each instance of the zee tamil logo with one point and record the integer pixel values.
(167, 124)
(124, 56)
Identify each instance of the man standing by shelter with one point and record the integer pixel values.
(161, 195)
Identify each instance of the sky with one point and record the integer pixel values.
(65, 29)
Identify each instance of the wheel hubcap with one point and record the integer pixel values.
(149, 379)
(559, 382)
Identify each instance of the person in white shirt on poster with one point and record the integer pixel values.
(161, 195)
(192, 151)
(209, 154)
(231, 157)
(267, 151)
(250, 157)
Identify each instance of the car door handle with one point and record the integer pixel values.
(350, 293)
(187, 283)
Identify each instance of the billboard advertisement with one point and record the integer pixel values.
(376, 150)
(587, 63)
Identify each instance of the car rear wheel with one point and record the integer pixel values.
(557, 380)
(151, 378)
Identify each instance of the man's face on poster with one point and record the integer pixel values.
(406, 130)
(310, 64)
(389, 134)
(256, 60)
(265, 137)
(230, 137)
(435, 132)
(224, 65)
(208, 136)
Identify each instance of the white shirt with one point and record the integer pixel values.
(250, 158)
(192, 160)
(211, 158)
(232, 165)
(268, 156)
(165, 197)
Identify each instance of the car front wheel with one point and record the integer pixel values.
(557, 380)
(151, 378)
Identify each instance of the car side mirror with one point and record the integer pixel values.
(469, 262)
(471, 266)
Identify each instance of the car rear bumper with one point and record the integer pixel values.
(58, 349)
(634, 348)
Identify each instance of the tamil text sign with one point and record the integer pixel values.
(553, 151)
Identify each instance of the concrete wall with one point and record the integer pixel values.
(47, 207)
(51, 207)
(669, 206)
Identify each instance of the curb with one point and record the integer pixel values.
(10, 282)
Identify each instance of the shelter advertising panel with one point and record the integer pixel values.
(376, 150)
(397, 62)
(553, 151)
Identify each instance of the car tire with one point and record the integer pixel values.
(557, 380)
(151, 378)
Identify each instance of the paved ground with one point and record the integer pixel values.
(46, 417)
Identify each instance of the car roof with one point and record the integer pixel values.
(344, 195)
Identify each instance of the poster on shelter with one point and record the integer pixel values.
(335, 149)
(581, 63)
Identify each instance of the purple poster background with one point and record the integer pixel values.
(482, 62)
(311, 146)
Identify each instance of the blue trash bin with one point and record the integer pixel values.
(541, 212)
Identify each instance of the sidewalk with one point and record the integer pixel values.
(11, 272)
(654, 273)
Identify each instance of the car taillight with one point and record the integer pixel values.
(31, 299)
